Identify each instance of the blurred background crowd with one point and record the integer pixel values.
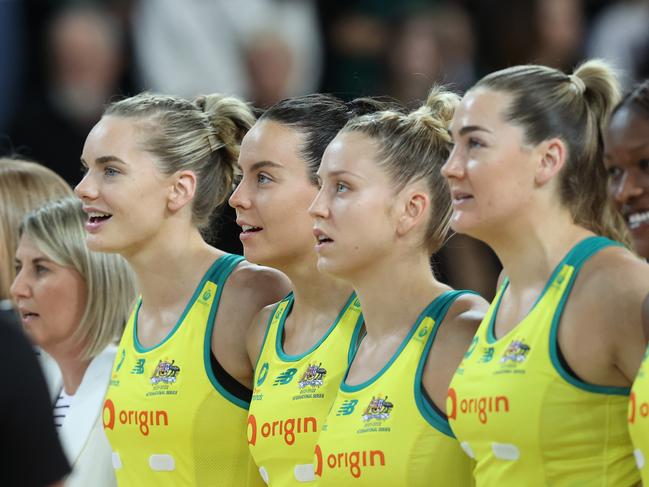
(62, 60)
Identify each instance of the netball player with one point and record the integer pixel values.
(541, 396)
(627, 160)
(382, 210)
(301, 345)
(176, 409)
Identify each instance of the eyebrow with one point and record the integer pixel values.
(263, 164)
(473, 128)
(37, 260)
(342, 172)
(104, 160)
(634, 148)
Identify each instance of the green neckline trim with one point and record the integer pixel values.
(580, 248)
(280, 330)
(269, 324)
(425, 313)
(136, 342)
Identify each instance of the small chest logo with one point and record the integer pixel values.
(313, 376)
(347, 407)
(138, 368)
(379, 408)
(207, 295)
(515, 353)
(285, 377)
(165, 372)
(263, 373)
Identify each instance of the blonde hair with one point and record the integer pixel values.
(202, 135)
(414, 146)
(548, 103)
(23, 186)
(57, 230)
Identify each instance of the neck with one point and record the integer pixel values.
(72, 367)
(167, 268)
(316, 294)
(531, 251)
(392, 301)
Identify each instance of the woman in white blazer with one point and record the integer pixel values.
(73, 304)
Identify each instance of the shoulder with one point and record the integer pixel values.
(460, 324)
(613, 280)
(259, 283)
(466, 313)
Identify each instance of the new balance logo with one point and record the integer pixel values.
(285, 377)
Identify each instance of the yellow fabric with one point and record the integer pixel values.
(384, 433)
(524, 417)
(168, 420)
(639, 419)
(293, 394)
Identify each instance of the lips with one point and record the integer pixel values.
(459, 196)
(27, 315)
(636, 219)
(96, 218)
(322, 239)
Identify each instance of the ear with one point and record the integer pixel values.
(182, 190)
(414, 205)
(552, 158)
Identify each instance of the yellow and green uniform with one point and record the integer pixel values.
(385, 431)
(639, 419)
(293, 394)
(168, 418)
(526, 418)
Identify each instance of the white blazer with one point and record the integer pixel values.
(82, 433)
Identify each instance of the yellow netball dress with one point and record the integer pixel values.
(639, 419)
(386, 431)
(293, 394)
(526, 418)
(167, 414)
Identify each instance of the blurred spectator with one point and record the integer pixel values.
(84, 70)
(620, 34)
(430, 47)
(263, 50)
(560, 30)
(11, 47)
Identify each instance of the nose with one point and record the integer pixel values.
(86, 190)
(20, 288)
(239, 198)
(454, 167)
(318, 208)
(627, 188)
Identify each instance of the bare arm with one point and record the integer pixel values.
(249, 289)
(601, 333)
(451, 343)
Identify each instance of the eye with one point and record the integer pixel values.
(341, 188)
(83, 168)
(614, 172)
(644, 164)
(110, 171)
(263, 178)
(474, 143)
(40, 269)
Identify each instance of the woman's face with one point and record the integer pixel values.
(627, 160)
(51, 298)
(273, 197)
(123, 192)
(355, 222)
(489, 171)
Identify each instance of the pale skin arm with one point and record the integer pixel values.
(601, 333)
(248, 290)
(451, 343)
